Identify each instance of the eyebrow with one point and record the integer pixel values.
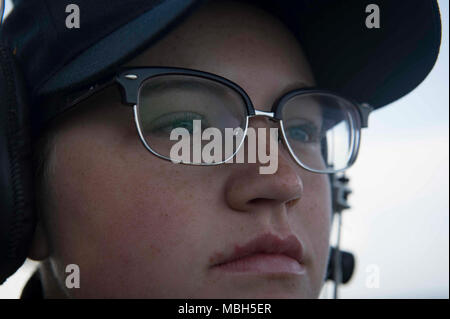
(285, 89)
(295, 85)
(220, 87)
(191, 85)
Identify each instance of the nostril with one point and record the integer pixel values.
(265, 201)
(259, 201)
(292, 202)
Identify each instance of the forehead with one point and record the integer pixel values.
(237, 41)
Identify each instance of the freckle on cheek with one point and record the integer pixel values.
(215, 257)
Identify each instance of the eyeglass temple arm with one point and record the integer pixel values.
(365, 109)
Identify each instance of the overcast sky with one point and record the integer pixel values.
(399, 220)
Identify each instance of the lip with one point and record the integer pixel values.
(266, 253)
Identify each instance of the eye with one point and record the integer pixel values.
(303, 133)
(165, 123)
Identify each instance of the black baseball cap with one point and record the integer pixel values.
(372, 65)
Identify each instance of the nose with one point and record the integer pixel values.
(247, 189)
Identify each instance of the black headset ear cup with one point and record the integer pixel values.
(17, 219)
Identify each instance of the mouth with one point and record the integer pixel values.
(266, 254)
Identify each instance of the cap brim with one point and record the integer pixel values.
(119, 46)
(377, 66)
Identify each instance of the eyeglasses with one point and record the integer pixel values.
(321, 129)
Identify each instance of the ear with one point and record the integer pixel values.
(39, 249)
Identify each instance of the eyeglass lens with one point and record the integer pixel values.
(319, 128)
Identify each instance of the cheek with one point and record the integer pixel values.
(314, 222)
(121, 219)
(318, 205)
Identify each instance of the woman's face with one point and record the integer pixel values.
(140, 226)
